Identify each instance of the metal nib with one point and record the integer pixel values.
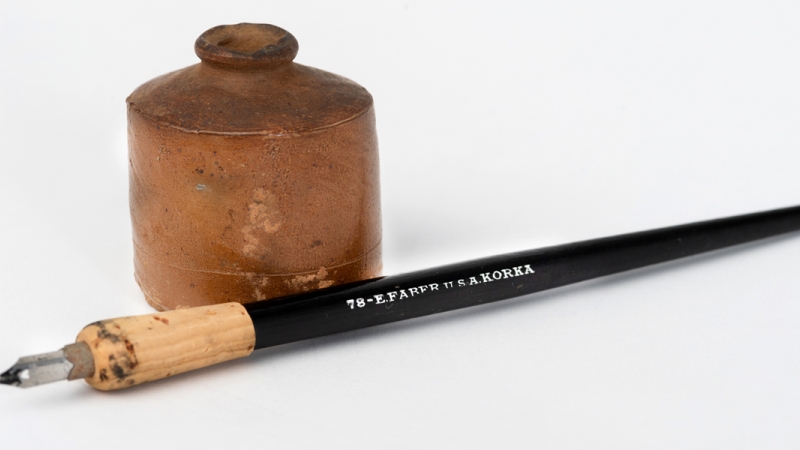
(34, 370)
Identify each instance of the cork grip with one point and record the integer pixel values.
(133, 350)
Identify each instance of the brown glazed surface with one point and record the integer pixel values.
(251, 176)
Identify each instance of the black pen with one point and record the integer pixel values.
(118, 353)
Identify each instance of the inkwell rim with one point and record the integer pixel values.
(246, 46)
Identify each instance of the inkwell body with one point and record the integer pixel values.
(251, 176)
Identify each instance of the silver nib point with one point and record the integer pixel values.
(38, 369)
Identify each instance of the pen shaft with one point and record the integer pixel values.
(118, 353)
(400, 297)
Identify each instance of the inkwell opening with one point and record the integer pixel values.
(246, 46)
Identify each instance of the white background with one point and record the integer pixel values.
(503, 126)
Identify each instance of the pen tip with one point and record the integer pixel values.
(10, 377)
(37, 369)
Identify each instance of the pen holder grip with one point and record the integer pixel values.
(133, 350)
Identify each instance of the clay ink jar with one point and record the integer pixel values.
(251, 176)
